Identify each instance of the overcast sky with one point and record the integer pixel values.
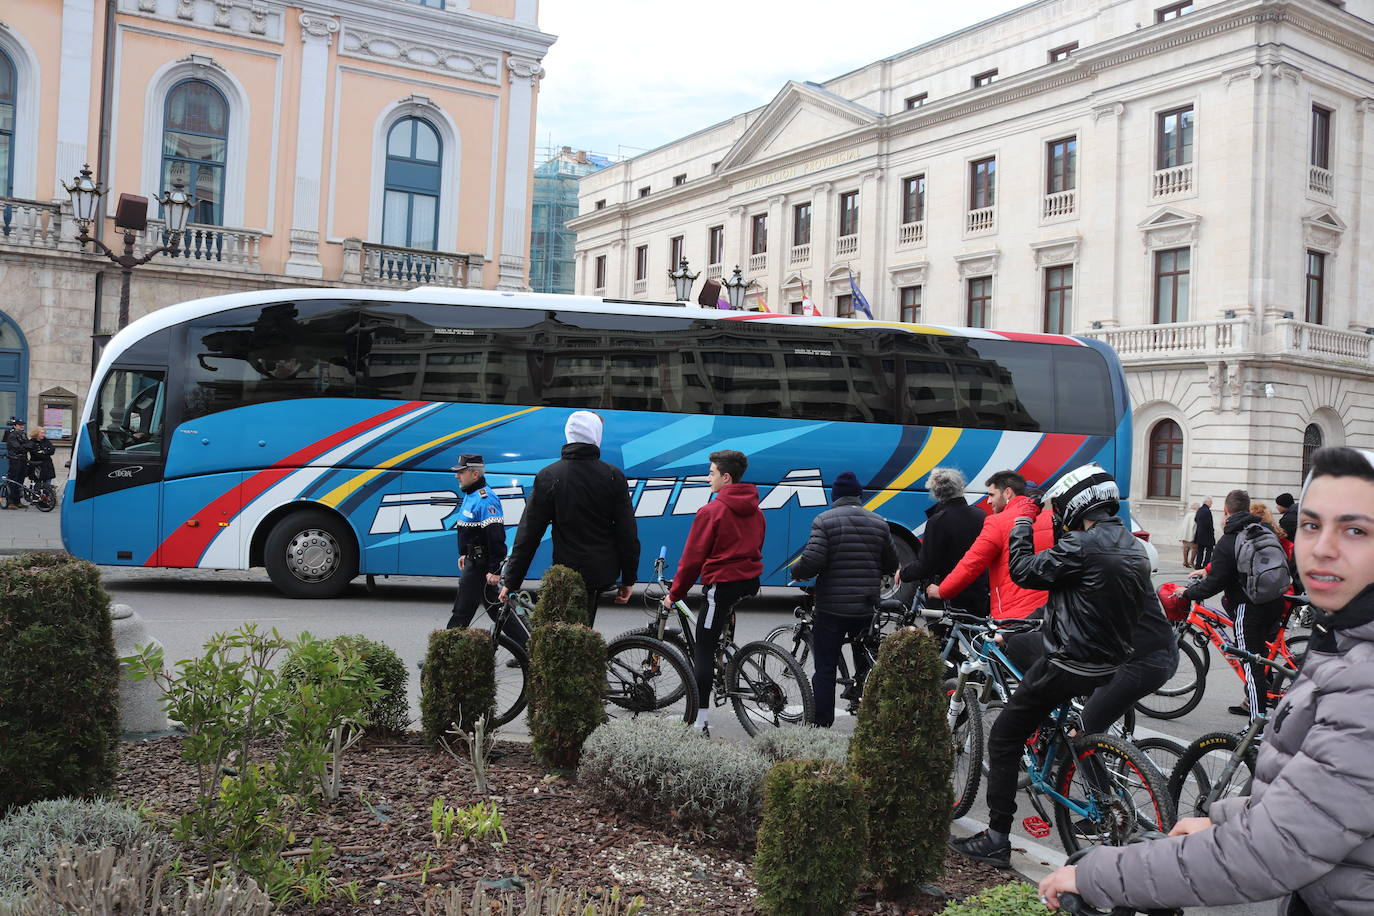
(629, 75)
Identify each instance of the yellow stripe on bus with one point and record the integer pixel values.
(346, 489)
(940, 444)
(864, 323)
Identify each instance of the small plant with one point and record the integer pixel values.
(479, 744)
(812, 841)
(802, 742)
(459, 681)
(903, 753)
(538, 899)
(59, 681)
(475, 822)
(562, 598)
(389, 713)
(1017, 898)
(442, 821)
(567, 684)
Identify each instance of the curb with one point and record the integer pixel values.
(16, 551)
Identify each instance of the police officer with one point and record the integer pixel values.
(481, 540)
(17, 452)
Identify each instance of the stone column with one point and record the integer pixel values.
(822, 246)
(515, 234)
(1099, 290)
(777, 253)
(873, 219)
(74, 93)
(317, 35)
(1360, 245)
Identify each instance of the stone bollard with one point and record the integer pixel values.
(140, 702)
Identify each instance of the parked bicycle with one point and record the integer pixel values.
(766, 687)
(37, 493)
(1206, 625)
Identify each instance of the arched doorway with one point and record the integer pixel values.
(14, 370)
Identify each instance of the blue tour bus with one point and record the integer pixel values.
(310, 431)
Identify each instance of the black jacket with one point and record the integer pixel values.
(849, 552)
(952, 527)
(40, 458)
(1288, 522)
(594, 531)
(1099, 583)
(1222, 575)
(1206, 534)
(16, 444)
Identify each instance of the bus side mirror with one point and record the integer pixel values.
(85, 446)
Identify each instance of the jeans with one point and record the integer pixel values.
(720, 600)
(829, 633)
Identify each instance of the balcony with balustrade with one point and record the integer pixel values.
(758, 263)
(1318, 342)
(1285, 338)
(372, 264)
(1060, 205)
(218, 247)
(640, 288)
(1320, 181)
(846, 246)
(713, 271)
(984, 219)
(911, 235)
(1173, 182)
(799, 255)
(29, 223)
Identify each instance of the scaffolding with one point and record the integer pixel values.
(552, 243)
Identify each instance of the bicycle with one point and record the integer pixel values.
(40, 494)
(1222, 764)
(765, 686)
(1206, 625)
(511, 657)
(1103, 789)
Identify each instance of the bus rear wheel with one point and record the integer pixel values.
(311, 554)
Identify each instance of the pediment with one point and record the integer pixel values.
(1326, 218)
(799, 117)
(1168, 216)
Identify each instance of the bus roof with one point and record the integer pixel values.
(442, 295)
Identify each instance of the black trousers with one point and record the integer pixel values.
(18, 468)
(829, 633)
(1257, 624)
(1204, 555)
(1044, 688)
(720, 599)
(474, 590)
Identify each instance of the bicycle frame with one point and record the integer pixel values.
(687, 620)
(1204, 620)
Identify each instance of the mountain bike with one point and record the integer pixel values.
(512, 659)
(766, 687)
(39, 494)
(1206, 625)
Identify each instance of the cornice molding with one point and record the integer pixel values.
(429, 56)
(314, 25)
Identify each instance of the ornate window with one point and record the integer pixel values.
(1166, 461)
(1311, 441)
(979, 302)
(410, 210)
(195, 141)
(1173, 273)
(8, 85)
(1058, 298)
(1316, 287)
(1175, 138)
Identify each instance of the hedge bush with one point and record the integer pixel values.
(459, 681)
(389, 714)
(660, 770)
(562, 598)
(812, 840)
(567, 685)
(802, 742)
(903, 753)
(1015, 899)
(59, 681)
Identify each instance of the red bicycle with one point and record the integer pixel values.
(1206, 625)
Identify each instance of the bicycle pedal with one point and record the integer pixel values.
(1036, 826)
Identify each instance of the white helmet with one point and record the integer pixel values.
(1079, 492)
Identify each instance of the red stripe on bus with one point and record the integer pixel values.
(1028, 337)
(185, 545)
(1049, 456)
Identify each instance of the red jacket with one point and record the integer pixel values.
(725, 543)
(1007, 600)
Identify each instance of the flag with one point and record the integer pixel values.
(808, 307)
(723, 303)
(763, 306)
(860, 303)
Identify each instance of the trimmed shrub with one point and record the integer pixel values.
(661, 771)
(812, 840)
(1015, 899)
(903, 753)
(459, 681)
(562, 598)
(566, 687)
(802, 742)
(59, 681)
(389, 714)
(34, 833)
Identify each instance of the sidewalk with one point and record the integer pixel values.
(29, 529)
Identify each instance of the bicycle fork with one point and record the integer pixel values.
(956, 702)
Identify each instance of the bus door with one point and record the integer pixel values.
(128, 438)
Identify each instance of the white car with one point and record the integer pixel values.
(1144, 536)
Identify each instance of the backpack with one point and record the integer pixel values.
(1261, 564)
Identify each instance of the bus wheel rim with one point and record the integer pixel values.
(313, 555)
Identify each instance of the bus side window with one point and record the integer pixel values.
(131, 411)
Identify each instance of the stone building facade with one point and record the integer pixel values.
(1189, 181)
(335, 143)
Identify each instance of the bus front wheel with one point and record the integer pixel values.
(311, 554)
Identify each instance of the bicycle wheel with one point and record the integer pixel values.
(647, 676)
(768, 688)
(1164, 753)
(44, 497)
(512, 671)
(1196, 779)
(797, 643)
(1111, 778)
(968, 753)
(1182, 692)
(671, 635)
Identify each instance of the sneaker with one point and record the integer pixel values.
(1239, 709)
(982, 848)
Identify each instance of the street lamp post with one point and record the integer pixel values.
(682, 281)
(86, 192)
(735, 287)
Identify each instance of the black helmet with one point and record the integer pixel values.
(1080, 492)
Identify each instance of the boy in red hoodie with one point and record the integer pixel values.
(725, 546)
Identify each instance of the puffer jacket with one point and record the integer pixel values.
(1006, 600)
(1308, 824)
(849, 552)
(951, 528)
(1099, 582)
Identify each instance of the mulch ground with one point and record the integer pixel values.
(381, 833)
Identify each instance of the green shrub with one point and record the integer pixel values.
(802, 742)
(566, 687)
(660, 770)
(458, 683)
(1015, 899)
(540, 899)
(812, 840)
(59, 681)
(903, 753)
(562, 598)
(33, 833)
(389, 714)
